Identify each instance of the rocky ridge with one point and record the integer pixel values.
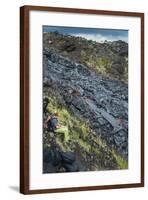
(108, 58)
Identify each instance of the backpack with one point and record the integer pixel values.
(52, 123)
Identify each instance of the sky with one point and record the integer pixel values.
(96, 34)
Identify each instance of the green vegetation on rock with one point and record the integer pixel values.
(86, 83)
(122, 164)
(96, 56)
(83, 138)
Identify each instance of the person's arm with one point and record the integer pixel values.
(48, 118)
(45, 124)
(58, 126)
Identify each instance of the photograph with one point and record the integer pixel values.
(85, 99)
(82, 99)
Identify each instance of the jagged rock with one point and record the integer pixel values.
(55, 160)
(45, 103)
(71, 167)
(120, 47)
(89, 96)
(119, 140)
(68, 157)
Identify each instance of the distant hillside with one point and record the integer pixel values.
(109, 58)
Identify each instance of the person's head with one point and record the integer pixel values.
(56, 114)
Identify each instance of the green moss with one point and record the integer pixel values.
(101, 65)
(85, 145)
(88, 52)
(75, 135)
(81, 134)
(63, 147)
(84, 130)
(122, 164)
(104, 65)
(77, 127)
(96, 151)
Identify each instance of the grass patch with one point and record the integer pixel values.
(85, 145)
(122, 164)
(81, 134)
(77, 128)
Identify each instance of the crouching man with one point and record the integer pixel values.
(52, 124)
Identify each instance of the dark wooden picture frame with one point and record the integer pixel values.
(24, 97)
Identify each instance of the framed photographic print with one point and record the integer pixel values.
(82, 99)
